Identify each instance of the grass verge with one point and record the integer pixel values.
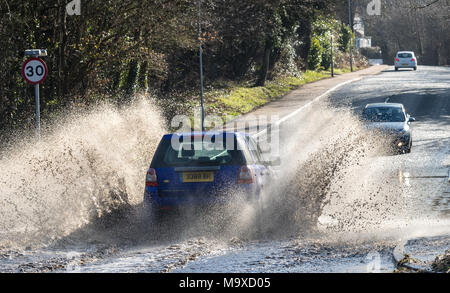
(238, 99)
(228, 99)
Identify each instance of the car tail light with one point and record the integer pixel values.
(245, 175)
(151, 179)
(396, 59)
(413, 59)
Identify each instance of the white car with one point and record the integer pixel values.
(405, 59)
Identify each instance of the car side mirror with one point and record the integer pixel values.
(411, 119)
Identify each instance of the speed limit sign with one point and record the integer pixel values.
(34, 70)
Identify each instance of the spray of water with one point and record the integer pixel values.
(90, 171)
(340, 181)
(90, 166)
(324, 146)
(319, 154)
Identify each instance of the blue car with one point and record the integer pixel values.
(199, 169)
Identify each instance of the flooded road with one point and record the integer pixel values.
(341, 204)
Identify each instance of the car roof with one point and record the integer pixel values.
(202, 133)
(405, 52)
(378, 105)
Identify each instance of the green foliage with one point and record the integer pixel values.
(238, 100)
(118, 47)
(315, 54)
(324, 28)
(326, 56)
(344, 38)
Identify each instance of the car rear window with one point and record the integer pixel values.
(404, 55)
(384, 114)
(197, 152)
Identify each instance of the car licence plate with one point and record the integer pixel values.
(198, 176)
(405, 64)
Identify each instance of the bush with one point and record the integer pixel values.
(344, 38)
(371, 53)
(326, 56)
(342, 60)
(315, 54)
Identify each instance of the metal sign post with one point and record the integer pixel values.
(351, 31)
(38, 111)
(332, 57)
(201, 64)
(34, 71)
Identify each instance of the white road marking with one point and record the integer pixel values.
(289, 116)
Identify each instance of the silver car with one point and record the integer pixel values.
(405, 59)
(391, 120)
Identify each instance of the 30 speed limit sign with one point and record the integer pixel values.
(34, 70)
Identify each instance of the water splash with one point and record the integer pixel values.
(89, 166)
(318, 156)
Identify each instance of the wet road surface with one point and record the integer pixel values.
(363, 202)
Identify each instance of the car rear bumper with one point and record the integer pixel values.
(179, 199)
(404, 65)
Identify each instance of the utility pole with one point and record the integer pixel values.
(351, 31)
(201, 65)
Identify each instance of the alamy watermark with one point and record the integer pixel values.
(74, 7)
(374, 7)
(219, 135)
(73, 262)
(374, 262)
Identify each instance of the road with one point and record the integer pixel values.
(341, 203)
